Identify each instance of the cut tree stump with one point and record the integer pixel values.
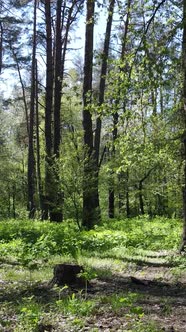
(67, 274)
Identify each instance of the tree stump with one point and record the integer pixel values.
(67, 274)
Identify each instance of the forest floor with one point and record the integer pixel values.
(147, 294)
(137, 278)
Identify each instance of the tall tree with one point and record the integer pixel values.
(31, 158)
(59, 18)
(102, 86)
(89, 204)
(183, 113)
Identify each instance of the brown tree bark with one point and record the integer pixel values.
(56, 213)
(104, 66)
(31, 159)
(38, 157)
(48, 111)
(91, 207)
(111, 207)
(1, 46)
(182, 248)
(89, 204)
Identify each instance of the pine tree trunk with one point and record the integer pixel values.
(184, 122)
(31, 159)
(89, 184)
(56, 213)
(38, 158)
(48, 111)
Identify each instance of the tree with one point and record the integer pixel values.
(183, 114)
(31, 159)
(89, 204)
(65, 13)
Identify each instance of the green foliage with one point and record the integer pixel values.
(30, 243)
(112, 248)
(76, 305)
(120, 301)
(30, 313)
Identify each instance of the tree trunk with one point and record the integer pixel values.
(104, 66)
(48, 111)
(115, 114)
(141, 203)
(89, 184)
(56, 213)
(1, 46)
(31, 159)
(184, 123)
(111, 207)
(38, 159)
(127, 194)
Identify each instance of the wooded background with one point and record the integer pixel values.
(93, 132)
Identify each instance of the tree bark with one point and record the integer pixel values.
(56, 213)
(48, 110)
(89, 204)
(1, 46)
(38, 157)
(102, 83)
(182, 248)
(115, 114)
(31, 159)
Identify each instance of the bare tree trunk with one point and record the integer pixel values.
(111, 208)
(38, 158)
(89, 206)
(184, 123)
(1, 46)
(56, 213)
(141, 202)
(31, 159)
(111, 211)
(104, 66)
(127, 194)
(22, 87)
(140, 188)
(48, 110)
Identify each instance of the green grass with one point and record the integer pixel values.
(30, 249)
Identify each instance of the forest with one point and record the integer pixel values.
(93, 164)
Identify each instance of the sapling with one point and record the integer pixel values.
(88, 274)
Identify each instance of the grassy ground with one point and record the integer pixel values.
(137, 277)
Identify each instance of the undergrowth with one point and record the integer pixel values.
(28, 251)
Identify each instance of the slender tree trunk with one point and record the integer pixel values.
(13, 201)
(31, 159)
(56, 213)
(48, 111)
(127, 194)
(140, 188)
(104, 66)
(89, 206)
(103, 77)
(115, 114)
(1, 46)
(111, 207)
(22, 87)
(182, 248)
(141, 203)
(57, 78)
(38, 157)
